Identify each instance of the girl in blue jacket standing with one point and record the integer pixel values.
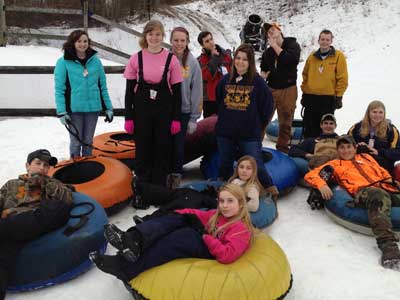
(245, 107)
(81, 91)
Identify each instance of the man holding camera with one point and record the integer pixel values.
(279, 68)
(372, 187)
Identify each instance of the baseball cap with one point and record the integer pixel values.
(345, 139)
(44, 155)
(267, 26)
(328, 117)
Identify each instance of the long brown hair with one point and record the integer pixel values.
(72, 38)
(382, 127)
(150, 26)
(253, 180)
(242, 216)
(186, 51)
(252, 71)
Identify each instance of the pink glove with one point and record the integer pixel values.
(175, 127)
(129, 126)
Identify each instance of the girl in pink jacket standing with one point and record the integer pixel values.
(223, 234)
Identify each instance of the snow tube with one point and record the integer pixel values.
(262, 272)
(264, 216)
(105, 179)
(201, 142)
(118, 144)
(281, 168)
(297, 131)
(54, 257)
(356, 218)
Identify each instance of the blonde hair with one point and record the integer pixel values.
(253, 180)
(243, 214)
(150, 26)
(382, 127)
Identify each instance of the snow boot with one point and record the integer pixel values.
(138, 201)
(127, 244)
(174, 181)
(110, 264)
(390, 256)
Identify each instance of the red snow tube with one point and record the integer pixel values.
(104, 179)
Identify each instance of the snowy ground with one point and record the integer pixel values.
(328, 261)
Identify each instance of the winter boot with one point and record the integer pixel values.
(128, 245)
(174, 181)
(110, 264)
(138, 201)
(390, 256)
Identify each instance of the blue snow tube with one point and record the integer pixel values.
(297, 131)
(355, 218)
(264, 216)
(281, 168)
(54, 257)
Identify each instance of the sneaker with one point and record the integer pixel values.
(391, 256)
(115, 237)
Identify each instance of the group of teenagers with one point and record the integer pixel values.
(166, 90)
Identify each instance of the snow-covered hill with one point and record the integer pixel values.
(328, 262)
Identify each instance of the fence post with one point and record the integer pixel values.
(3, 27)
(85, 15)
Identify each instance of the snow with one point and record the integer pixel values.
(328, 261)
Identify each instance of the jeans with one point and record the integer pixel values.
(85, 123)
(302, 165)
(229, 149)
(179, 145)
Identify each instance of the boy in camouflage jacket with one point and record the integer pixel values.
(30, 206)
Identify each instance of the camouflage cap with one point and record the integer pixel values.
(42, 154)
(345, 139)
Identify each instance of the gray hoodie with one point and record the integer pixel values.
(192, 88)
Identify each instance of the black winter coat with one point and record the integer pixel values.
(282, 68)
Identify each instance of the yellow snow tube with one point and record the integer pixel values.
(263, 272)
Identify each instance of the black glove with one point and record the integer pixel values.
(194, 222)
(315, 199)
(338, 102)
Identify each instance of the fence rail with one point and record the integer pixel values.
(40, 112)
(50, 69)
(86, 14)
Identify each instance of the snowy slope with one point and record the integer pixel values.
(328, 261)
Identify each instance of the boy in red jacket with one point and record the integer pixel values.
(215, 62)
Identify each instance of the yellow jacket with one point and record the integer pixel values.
(325, 76)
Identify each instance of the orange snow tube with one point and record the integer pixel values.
(104, 179)
(117, 144)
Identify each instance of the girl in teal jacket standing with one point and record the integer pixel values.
(81, 91)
